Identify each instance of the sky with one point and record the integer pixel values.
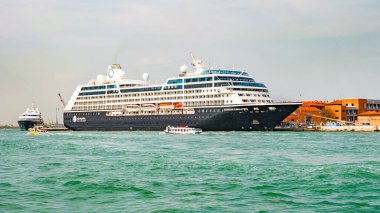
(301, 49)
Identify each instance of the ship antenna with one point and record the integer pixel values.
(192, 57)
(197, 63)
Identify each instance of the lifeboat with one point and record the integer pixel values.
(133, 108)
(148, 107)
(170, 105)
(166, 105)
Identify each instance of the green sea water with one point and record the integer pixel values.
(211, 172)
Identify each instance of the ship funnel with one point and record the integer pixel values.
(114, 72)
(115, 66)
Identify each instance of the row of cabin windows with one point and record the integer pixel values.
(93, 88)
(189, 80)
(250, 89)
(119, 107)
(152, 113)
(255, 95)
(259, 101)
(156, 98)
(166, 93)
(224, 72)
(249, 84)
(194, 103)
(145, 89)
(172, 81)
(228, 78)
(148, 118)
(188, 86)
(175, 87)
(175, 81)
(193, 86)
(148, 94)
(92, 103)
(92, 93)
(245, 84)
(83, 113)
(111, 86)
(222, 78)
(99, 92)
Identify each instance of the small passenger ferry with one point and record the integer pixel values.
(182, 130)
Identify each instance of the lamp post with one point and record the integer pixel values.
(56, 116)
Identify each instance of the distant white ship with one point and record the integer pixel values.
(31, 117)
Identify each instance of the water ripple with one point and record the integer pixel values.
(213, 172)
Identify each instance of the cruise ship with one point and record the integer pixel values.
(210, 99)
(31, 117)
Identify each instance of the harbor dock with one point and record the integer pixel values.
(332, 129)
(52, 129)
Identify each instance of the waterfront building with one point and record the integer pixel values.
(354, 107)
(305, 115)
(310, 113)
(372, 105)
(336, 110)
(343, 110)
(371, 118)
(317, 104)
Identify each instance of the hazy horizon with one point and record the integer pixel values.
(302, 50)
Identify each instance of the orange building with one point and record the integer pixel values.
(318, 112)
(317, 104)
(373, 105)
(354, 107)
(369, 118)
(336, 110)
(309, 113)
(359, 104)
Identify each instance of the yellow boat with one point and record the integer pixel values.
(36, 130)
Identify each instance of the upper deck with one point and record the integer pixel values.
(199, 88)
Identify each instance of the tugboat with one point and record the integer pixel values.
(30, 118)
(182, 130)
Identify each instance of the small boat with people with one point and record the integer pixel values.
(182, 130)
(36, 130)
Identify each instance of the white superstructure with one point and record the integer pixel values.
(203, 87)
(31, 114)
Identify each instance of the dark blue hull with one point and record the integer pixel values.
(25, 125)
(232, 118)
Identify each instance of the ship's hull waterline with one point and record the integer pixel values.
(25, 125)
(231, 118)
